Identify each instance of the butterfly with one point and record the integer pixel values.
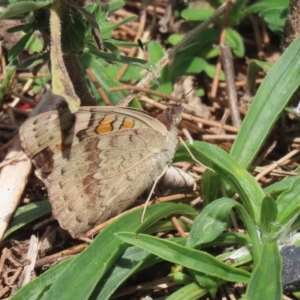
(97, 161)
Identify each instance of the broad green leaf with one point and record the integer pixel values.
(275, 17)
(192, 259)
(213, 220)
(230, 171)
(98, 258)
(266, 282)
(132, 261)
(36, 288)
(270, 100)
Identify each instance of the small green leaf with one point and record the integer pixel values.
(114, 5)
(155, 50)
(174, 39)
(210, 70)
(254, 67)
(235, 41)
(30, 62)
(19, 46)
(21, 7)
(190, 65)
(196, 14)
(275, 17)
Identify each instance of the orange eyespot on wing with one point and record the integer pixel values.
(128, 123)
(106, 124)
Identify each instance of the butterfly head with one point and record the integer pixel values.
(171, 117)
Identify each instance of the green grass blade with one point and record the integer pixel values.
(27, 214)
(288, 205)
(213, 220)
(279, 187)
(34, 289)
(191, 291)
(134, 259)
(193, 259)
(273, 95)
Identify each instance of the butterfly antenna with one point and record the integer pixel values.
(154, 72)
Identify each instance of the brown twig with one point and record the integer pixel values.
(227, 61)
(193, 118)
(60, 255)
(133, 50)
(277, 163)
(178, 227)
(215, 83)
(143, 90)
